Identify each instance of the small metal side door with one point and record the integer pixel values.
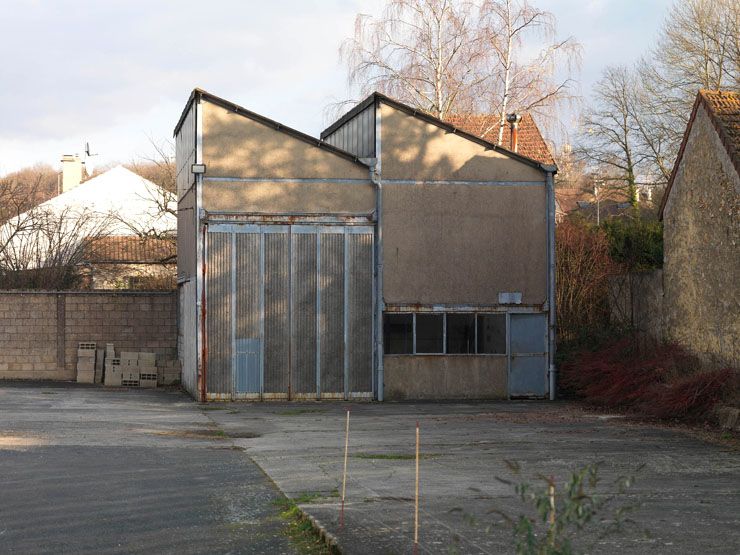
(528, 352)
(247, 367)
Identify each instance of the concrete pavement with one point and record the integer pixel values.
(87, 470)
(686, 494)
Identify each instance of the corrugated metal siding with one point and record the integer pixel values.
(247, 312)
(360, 312)
(357, 135)
(277, 317)
(186, 236)
(218, 306)
(331, 327)
(187, 337)
(287, 305)
(303, 377)
(247, 285)
(185, 152)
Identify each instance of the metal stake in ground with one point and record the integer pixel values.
(416, 496)
(344, 475)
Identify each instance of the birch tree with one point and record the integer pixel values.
(427, 53)
(447, 57)
(537, 83)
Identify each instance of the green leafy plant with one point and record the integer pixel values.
(635, 242)
(564, 518)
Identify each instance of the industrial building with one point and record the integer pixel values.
(397, 257)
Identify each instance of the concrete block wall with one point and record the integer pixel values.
(28, 336)
(39, 331)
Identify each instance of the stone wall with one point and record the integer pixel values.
(636, 301)
(702, 250)
(39, 331)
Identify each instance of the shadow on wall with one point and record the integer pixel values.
(237, 146)
(477, 239)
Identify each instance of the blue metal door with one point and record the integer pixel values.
(247, 367)
(528, 355)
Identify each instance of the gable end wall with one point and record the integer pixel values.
(702, 250)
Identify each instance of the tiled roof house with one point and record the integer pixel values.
(530, 142)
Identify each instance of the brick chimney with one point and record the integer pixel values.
(73, 170)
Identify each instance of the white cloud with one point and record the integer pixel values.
(114, 72)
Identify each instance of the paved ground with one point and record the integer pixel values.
(85, 470)
(687, 490)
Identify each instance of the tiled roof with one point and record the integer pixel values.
(723, 108)
(131, 250)
(568, 198)
(571, 199)
(530, 141)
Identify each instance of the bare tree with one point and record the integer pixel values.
(698, 48)
(427, 53)
(633, 129)
(159, 169)
(519, 82)
(43, 248)
(610, 138)
(448, 57)
(22, 190)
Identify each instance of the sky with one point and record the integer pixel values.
(117, 73)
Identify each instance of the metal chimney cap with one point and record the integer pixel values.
(513, 118)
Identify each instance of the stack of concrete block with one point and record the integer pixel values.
(86, 362)
(129, 369)
(113, 372)
(99, 358)
(147, 370)
(169, 372)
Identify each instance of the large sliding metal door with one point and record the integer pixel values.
(289, 311)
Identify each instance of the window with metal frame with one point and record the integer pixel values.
(426, 333)
(460, 330)
(398, 334)
(429, 334)
(491, 333)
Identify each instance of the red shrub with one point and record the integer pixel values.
(690, 397)
(658, 383)
(582, 277)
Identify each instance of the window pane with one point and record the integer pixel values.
(429, 333)
(461, 333)
(492, 334)
(398, 334)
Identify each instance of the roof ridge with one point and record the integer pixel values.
(264, 120)
(705, 100)
(429, 119)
